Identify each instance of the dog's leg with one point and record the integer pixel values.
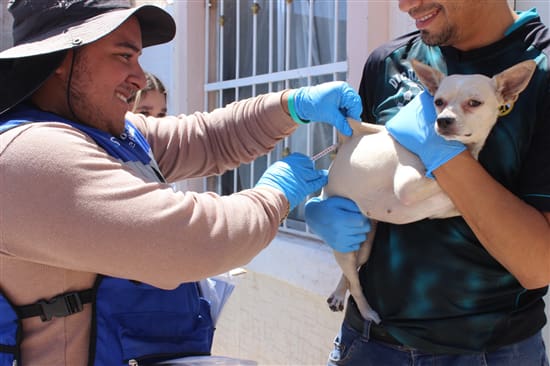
(337, 299)
(350, 263)
(366, 247)
(411, 186)
(356, 290)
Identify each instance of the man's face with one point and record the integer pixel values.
(105, 74)
(446, 22)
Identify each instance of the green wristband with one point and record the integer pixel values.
(292, 110)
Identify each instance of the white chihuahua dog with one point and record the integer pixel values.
(388, 182)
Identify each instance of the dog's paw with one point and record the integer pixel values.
(373, 316)
(367, 312)
(335, 303)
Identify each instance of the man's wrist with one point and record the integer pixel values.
(286, 201)
(286, 211)
(284, 101)
(287, 102)
(457, 159)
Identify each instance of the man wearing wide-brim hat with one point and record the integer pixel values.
(98, 255)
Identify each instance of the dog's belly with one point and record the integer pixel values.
(386, 181)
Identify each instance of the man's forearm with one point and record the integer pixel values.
(513, 232)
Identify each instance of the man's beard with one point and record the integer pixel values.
(82, 107)
(443, 38)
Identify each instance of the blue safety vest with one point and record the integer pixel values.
(132, 322)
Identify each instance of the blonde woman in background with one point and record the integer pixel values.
(151, 100)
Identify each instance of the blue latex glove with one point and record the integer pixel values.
(329, 102)
(338, 221)
(414, 128)
(295, 176)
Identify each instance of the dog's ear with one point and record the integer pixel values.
(512, 81)
(428, 76)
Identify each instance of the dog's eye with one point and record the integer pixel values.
(439, 102)
(474, 103)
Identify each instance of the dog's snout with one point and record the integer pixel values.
(444, 122)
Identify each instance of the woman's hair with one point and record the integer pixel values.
(153, 83)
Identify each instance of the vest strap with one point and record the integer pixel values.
(59, 306)
(4, 348)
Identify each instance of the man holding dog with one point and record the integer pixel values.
(466, 290)
(98, 255)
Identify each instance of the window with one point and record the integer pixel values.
(255, 47)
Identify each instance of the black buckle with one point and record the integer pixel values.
(60, 306)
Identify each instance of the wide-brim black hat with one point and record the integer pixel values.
(43, 31)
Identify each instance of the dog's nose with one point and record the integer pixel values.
(444, 122)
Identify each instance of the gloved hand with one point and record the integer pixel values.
(414, 128)
(338, 221)
(329, 102)
(295, 176)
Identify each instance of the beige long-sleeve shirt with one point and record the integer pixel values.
(68, 211)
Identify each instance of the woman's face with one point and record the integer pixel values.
(151, 103)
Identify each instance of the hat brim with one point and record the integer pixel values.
(157, 26)
(19, 78)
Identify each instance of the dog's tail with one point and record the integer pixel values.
(360, 128)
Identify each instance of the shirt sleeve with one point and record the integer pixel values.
(66, 203)
(203, 144)
(535, 183)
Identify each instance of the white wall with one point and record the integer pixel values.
(542, 6)
(180, 63)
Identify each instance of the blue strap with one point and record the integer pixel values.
(129, 146)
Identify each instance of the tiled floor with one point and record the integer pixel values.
(275, 324)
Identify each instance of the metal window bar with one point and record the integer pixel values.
(279, 74)
(255, 8)
(220, 55)
(309, 137)
(271, 10)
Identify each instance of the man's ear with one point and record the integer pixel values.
(52, 93)
(64, 69)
